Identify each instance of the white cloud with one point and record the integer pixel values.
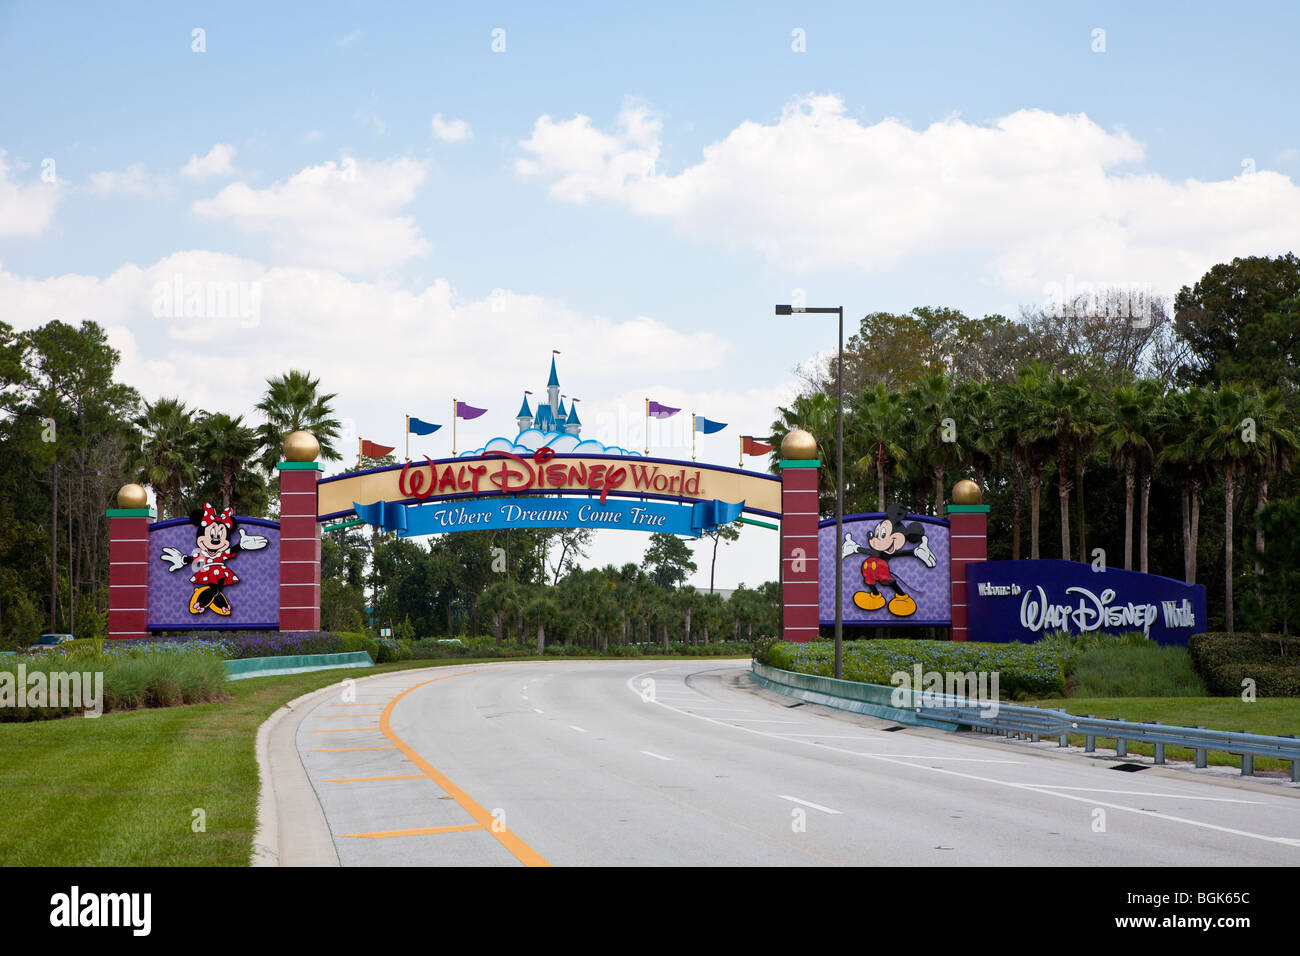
(451, 131)
(1036, 195)
(135, 180)
(215, 165)
(344, 216)
(386, 349)
(25, 210)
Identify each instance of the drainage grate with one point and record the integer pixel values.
(1128, 767)
(796, 704)
(890, 730)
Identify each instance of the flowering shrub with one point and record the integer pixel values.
(231, 645)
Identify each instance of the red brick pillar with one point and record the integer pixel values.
(128, 565)
(969, 531)
(299, 546)
(799, 592)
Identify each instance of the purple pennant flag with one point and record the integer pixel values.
(662, 411)
(468, 412)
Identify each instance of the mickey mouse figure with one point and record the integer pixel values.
(886, 543)
(214, 549)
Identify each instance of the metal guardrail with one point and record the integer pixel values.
(1038, 722)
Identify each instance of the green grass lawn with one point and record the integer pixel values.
(120, 790)
(1274, 716)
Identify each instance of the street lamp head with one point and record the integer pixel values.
(784, 310)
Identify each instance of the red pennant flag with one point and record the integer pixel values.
(370, 449)
(752, 446)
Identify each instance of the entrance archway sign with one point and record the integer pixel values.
(501, 474)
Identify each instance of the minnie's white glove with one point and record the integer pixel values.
(175, 558)
(251, 542)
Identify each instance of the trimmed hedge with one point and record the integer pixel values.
(1024, 670)
(1225, 660)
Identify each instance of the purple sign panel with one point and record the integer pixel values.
(895, 569)
(214, 571)
(1027, 600)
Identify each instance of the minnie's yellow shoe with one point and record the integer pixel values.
(869, 601)
(220, 605)
(195, 607)
(902, 606)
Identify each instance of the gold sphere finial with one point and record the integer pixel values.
(798, 445)
(966, 492)
(301, 446)
(132, 496)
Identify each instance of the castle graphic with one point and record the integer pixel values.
(551, 416)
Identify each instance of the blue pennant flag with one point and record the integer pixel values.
(421, 427)
(702, 424)
(384, 515)
(707, 515)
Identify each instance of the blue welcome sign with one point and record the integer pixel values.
(1026, 600)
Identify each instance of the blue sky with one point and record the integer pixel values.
(961, 158)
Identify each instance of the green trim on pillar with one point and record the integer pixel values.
(968, 509)
(299, 466)
(798, 463)
(131, 513)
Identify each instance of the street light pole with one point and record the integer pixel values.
(839, 477)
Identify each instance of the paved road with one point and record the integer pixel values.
(686, 763)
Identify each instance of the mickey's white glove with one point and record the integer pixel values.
(851, 547)
(175, 558)
(251, 542)
(923, 552)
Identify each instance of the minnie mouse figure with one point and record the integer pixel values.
(887, 543)
(214, 549)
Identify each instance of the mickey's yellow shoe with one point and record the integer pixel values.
(902, 606)
(869, 601)
(195, 607)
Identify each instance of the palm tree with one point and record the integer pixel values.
(1272, 445)
(1024, 404)
(880, 424)
(1063, 418)
(1126, 438)
(1231, 449)
(292, 403)
(932, 400)
(1151, 396)
(225, 445)
(815, 413)
(165, 460)
(978, 425)
(1184, 432)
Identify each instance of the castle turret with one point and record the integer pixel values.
(561, 416)
(553, 390)
(525, 417)
(572, 424)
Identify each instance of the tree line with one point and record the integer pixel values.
(1138, 423)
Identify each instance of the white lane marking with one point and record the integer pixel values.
(655, 755)
(525, 696)
(1032, 788)
(1149, 793)
(807, 803)
(538, 710)
(748, 720)
(577, 728)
